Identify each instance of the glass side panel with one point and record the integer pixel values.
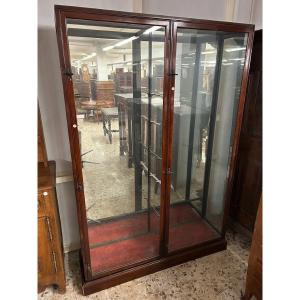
(200, 59)
(228, 99)
(118, 78)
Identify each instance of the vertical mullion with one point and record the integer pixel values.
(167, 137)
(149, 124)
(212, 120)
(136, 122)
(192, 120)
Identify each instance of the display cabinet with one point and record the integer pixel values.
(156, 193)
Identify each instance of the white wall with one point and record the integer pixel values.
(257, 14)
(51, 101)
(50, 92)
(205, 9)
(242, 11)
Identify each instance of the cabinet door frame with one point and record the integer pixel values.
(228, 28)
(62, 14)
(171, 24)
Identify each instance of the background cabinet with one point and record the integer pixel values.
(50, 251)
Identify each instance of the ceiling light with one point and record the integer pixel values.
(120, 43)
(208, 52)
(126, 41)
(89, 56)
(151, 29)
(240, 59)
(108, 48)
(235, 49)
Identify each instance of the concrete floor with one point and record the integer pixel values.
(220, 276)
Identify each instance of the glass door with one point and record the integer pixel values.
(209, 68)
(118, 85)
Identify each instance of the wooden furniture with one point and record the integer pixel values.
(109, 114)
(83, 89)
(254, 273)
(122, 247)
(42, 153)
(248, 176)
(123, 81)
(51, 270)
(105, 93)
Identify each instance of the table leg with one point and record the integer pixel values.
(109, 131)
(104, 127)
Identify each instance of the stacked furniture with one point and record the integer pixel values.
(51, 269)
(123, 81)
(104, 96)
(83, 88)
(105, 93)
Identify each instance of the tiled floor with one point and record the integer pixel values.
(109, 184)
(218, 276)
(109, 187)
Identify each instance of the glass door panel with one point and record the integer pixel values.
(203, 60)
(117, 79)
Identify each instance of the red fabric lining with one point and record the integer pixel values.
(131, 242)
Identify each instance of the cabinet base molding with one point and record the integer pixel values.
(96, 285)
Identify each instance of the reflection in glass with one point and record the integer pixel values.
(209, 66)
(118, 80)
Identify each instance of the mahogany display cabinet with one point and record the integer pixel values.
(153, 169)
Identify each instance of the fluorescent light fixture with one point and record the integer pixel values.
(227, 64)
(208, 52)
(108, 48)
(208, 61)
(237, 59)
(89, 56)
(235, 49)
(120, 43)
(126, 41)
(151, 29)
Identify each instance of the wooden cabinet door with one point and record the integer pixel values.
(46, 255)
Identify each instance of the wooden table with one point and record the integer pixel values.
(109, 114)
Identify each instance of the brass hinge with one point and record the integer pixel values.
(68, 73)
